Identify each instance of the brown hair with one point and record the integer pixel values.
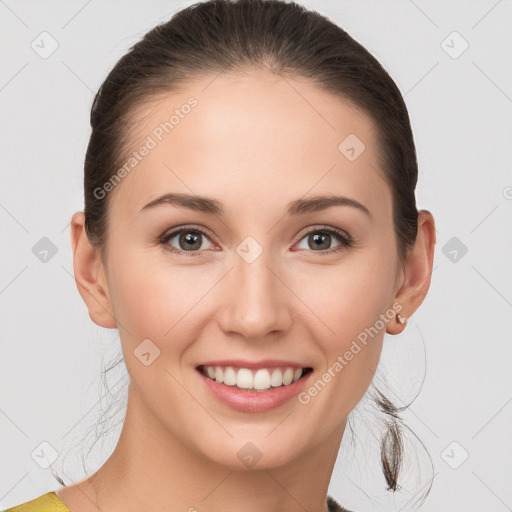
(220, 35)
(285, 38)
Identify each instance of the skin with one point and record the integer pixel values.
(251, 141)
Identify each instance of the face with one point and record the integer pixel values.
(266, 279)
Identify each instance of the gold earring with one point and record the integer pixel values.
(401, 319)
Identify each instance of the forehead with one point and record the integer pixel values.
(253, 139)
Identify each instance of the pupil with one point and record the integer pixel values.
(319, 238)
(191, 239)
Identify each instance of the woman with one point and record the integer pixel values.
(250, 228)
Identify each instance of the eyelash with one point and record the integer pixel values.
(346, 241)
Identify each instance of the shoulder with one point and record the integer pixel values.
(48, 502)
(334, 506)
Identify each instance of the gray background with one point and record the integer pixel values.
(459, 341)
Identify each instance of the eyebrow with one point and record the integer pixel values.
(214, 207)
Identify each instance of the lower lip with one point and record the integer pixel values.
(254, 401)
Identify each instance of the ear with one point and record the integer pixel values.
(90, 275)
(416, 272)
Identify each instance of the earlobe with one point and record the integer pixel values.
(90, 275)
(399, 322)
(417, 272)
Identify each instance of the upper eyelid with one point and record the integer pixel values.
(171, 233)
(324, 227)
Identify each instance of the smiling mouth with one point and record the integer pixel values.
(262, 379)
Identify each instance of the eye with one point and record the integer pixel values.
(190, 241)
(321, 238)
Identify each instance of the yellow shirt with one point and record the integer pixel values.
(50, 502)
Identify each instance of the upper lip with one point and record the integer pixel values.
(264, 363)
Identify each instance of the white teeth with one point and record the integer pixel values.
(262, 379)
(244, 378)
(230, 378)
(288, 376)
(277, 378)
(253, 379)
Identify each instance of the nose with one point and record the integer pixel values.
(257, 301)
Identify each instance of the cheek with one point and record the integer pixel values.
(151, 296)
(350, 297)
(353, 305)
